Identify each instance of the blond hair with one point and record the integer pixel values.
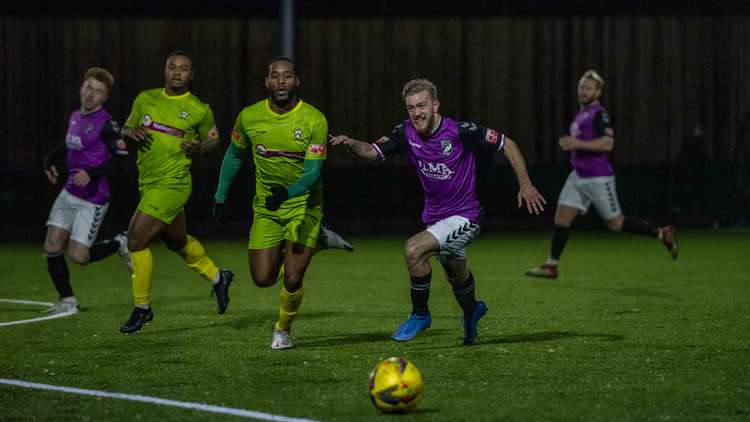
(415, 86)
(100, 74)
(594, 76)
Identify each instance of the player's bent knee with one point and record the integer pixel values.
(78, 257)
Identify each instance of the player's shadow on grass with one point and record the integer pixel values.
(357, 338)
(544, 336)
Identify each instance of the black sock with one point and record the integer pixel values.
(103, 249)
(464, 293)
(58, 272)
(420, 294)
(559, 239)
(642, 227)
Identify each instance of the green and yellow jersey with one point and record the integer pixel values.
(169, 120)
(280, 144)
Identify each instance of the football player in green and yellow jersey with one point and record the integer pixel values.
(170, 125)
(287, 138)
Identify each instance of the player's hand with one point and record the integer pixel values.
(137, 134)
(279, 194)
(190, 148)
(534, 200)
(220, 211)
(567, 143)
(340, 139)
(52, 174)
(81, 178)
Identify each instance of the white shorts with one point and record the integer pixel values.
(78, 217)
(581, 192)
(453, 234)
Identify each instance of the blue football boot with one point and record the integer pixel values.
(412, 326)
(470, 324)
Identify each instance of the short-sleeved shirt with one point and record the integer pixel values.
(591, 122)
(90, 140)
(445, 163)
(280, 144)
(169, 120)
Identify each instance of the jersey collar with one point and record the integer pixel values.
(174, 97)
(296, 107)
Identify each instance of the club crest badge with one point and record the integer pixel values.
(446, 146)
(298, 134)
(184, 115)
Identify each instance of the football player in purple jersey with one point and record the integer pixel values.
(444, 151)
(592, 180)
(92, 143)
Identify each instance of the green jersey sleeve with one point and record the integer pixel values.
(207, 127)
(317, 150)
(136, 113)
(239, 138)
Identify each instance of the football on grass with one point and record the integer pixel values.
(395, 385)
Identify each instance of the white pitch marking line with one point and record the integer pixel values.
(155, 400)
(31, 302)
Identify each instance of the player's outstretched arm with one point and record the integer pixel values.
(603, 144)
(359, 148)
(527, 192)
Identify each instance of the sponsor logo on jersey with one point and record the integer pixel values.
(574, 130)
(446, 146)
(317, 150)
(297, 134)
(264, 152)
(184, 115)
(491, 136)
(73, 142)
(435, 171)
(161, 127)
(213, 134)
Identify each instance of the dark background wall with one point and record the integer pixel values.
(514, 70)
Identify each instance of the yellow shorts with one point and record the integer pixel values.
(300, 225)
(164, 202)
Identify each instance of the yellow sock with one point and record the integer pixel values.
(143, 269)
(280, 276)
(289, 304)
(196, 258)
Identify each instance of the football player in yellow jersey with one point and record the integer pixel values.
(288, 141)
(170, 125)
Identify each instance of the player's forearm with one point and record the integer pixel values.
(513, 154)
(363, 150)
(230, 165)
(54, 155)
(310, 175)
(603, 144)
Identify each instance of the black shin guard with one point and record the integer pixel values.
(103, 249)
(420, 294)
(641, 227)
(464, 294)
(58, 272)
(559, 239)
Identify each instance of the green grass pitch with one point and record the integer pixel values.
(624, 334)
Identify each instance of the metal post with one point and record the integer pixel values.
(287, 28)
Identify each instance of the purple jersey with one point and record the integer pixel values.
(591, 122)
(89, 143)
(446, 164)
